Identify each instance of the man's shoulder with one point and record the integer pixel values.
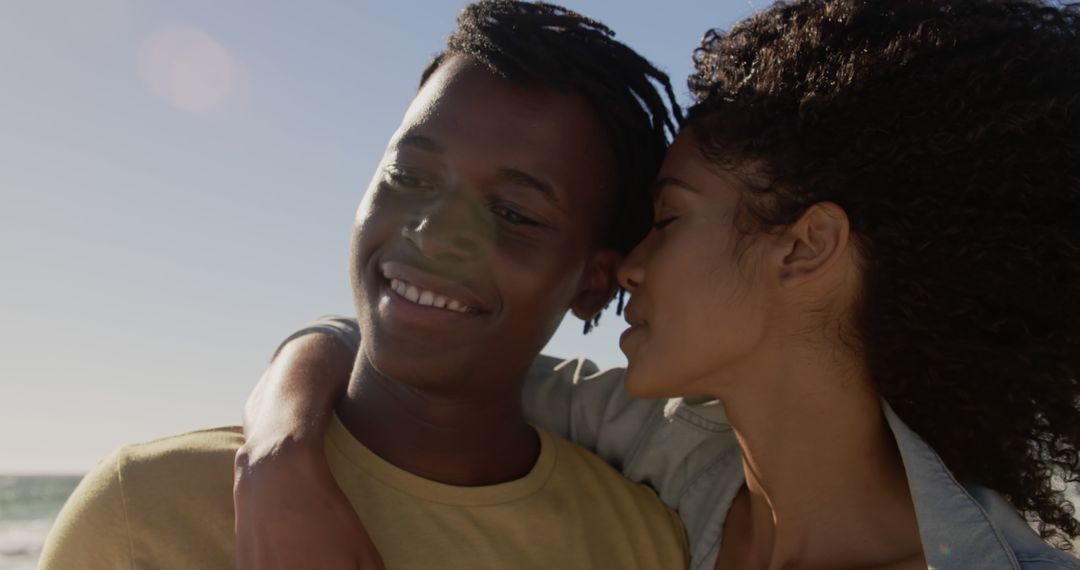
(625, 512)
(168, 501)
(194, 467)
(178, 490)
(198, 442)
(586, 470)
(202, 451)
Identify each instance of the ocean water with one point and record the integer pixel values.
(28, 507)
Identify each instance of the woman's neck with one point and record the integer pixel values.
(825, 484)
(461, 439)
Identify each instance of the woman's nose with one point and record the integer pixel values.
(631, 273)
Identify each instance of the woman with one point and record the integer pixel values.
(867, 248)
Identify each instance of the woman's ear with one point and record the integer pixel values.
(597, 285)
(811, 246)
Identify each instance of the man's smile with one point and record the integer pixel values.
(428, 298)
(416, 297)
(428, 288)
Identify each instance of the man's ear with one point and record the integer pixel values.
(812, 245)
(597, 285)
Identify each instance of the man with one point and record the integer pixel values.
(518, 174)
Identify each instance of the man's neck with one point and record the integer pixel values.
(463, 439)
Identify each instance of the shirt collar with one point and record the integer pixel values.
(956, 530)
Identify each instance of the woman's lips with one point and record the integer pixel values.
(629, 333)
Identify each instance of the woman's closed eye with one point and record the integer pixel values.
(664, 222)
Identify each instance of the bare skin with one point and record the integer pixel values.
(805, 503)
(449, 440)
(269, 461)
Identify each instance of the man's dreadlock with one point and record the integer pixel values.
(550, 46)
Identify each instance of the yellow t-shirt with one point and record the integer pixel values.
(168, 504)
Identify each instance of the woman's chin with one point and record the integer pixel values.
(645, 382)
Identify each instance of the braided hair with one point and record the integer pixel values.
(536, 43)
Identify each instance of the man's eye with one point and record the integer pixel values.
(408, 180)
(664, 222)
(511, 216)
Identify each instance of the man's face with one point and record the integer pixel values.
(478, 230)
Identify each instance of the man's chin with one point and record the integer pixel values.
(415, 361)
(422, 377)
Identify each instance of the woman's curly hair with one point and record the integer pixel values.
(949, 131)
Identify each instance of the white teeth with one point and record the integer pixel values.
(427, 298)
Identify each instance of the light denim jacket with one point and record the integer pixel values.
(687, 452)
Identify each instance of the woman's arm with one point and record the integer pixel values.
(289, 509)
(291, 405)
(290, 513)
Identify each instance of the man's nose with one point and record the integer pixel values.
(451, 228)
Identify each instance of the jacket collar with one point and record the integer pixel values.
(957, 531)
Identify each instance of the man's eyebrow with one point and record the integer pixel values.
(661, 183)
(419, 142)
(525, 179)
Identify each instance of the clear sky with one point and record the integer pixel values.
(178, 180)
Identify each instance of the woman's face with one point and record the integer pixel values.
(695, 311)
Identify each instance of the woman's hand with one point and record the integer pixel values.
(290, 512)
